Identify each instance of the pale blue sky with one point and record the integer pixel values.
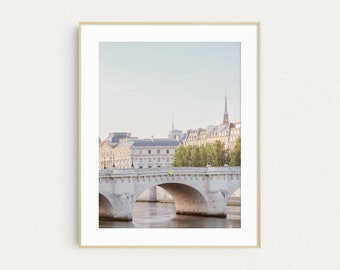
(143, 84)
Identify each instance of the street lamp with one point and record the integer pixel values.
(132, 166)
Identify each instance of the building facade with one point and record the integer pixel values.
(106, 158)
(227, 133)
(144, 153)
(105, 155)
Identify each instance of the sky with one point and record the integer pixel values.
(143, 85)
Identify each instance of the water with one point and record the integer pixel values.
(163, 215)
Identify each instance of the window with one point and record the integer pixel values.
(149, 152)
(159, 160)
(158, 151)
(149, 159)
(167, 151)
(140, 152)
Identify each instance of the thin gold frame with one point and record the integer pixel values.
(258, 24)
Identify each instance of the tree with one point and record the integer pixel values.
(195, 156)
(203, 156)
(179, 157)
(235, 154)
(219, 153)
(200, 156)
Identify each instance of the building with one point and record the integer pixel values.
(106, 159)
(105, 155)
(144, 153)
(176, 134)
(227, 132)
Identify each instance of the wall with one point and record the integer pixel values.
(300, 134)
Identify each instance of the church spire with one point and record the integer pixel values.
(225, 115)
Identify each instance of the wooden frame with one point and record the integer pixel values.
(90, 34)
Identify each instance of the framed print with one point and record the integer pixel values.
(169, 134)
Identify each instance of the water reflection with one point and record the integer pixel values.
(163, 215)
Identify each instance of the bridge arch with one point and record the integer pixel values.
(233, 189)
(188, 199)
(105, 207)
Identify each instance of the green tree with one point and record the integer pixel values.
(227, 156)
(219, 153)
(235, 154)
(186, 156)
(179, 157)
(203, 156)
(200, 156)
(210, 155)
(195, 156)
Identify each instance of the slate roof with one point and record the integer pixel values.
(155, 142)
(124, 144)
(114, 137)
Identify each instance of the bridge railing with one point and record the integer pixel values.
(170, 170)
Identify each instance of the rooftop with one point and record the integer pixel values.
(155, 142)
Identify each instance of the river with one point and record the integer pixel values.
(163, 215)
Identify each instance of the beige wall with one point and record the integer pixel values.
(204, 138)
(160, 156)
(105, 155)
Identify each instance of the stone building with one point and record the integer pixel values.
(144, 153)
(227, 132)
(105, 155)
(106, 147)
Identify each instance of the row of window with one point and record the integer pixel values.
(150, 151)
(141, 160)
(233, 138)
(140, 165)
(235, 131)
(158, 159)
(127, 153)
(105, 154)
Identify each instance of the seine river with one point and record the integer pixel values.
(163, 215)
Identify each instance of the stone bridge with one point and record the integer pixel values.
(196, 191)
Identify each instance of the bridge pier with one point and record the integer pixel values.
(123, 205)
(116, 206)
(217, 196)
(120, 195)
(216, 206)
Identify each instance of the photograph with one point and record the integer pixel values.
(170, 135)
